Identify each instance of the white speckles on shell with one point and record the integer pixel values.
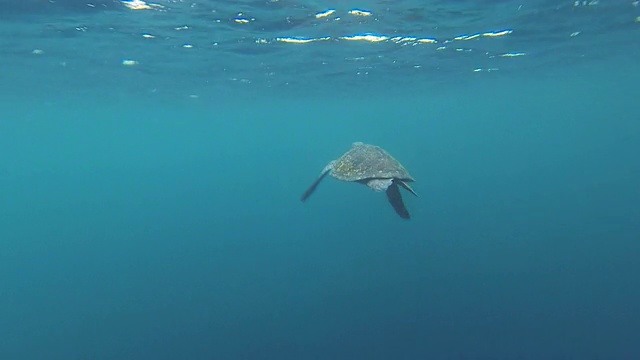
(364, 161)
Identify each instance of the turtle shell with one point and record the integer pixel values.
(364, 161)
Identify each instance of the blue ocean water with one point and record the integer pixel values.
(152, 158)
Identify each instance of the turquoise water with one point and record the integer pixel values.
(150, 191)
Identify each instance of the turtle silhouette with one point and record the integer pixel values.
(372, 166)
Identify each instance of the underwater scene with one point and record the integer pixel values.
(285, 179)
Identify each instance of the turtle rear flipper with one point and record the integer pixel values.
(395, 199)
(406, 186)
(313, 186)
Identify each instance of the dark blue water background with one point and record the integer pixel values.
(150, 210)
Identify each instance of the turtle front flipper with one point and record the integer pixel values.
(395, 199)
(313, 186)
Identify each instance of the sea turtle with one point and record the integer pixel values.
(372, 166)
